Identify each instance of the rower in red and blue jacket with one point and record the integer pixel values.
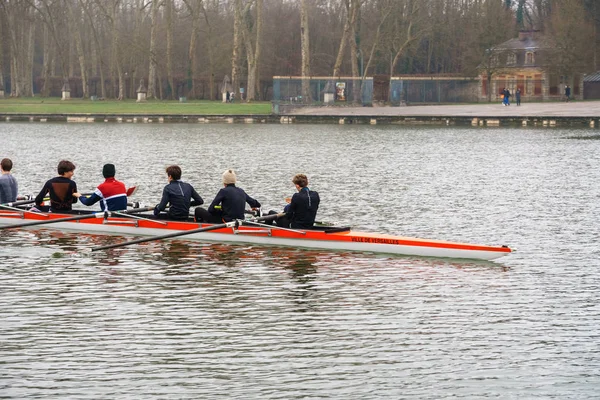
(111, 194)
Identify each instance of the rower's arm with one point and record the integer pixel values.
(216, 201)
(39, 199)
(163, 201)
(89, 201)
(198, 201)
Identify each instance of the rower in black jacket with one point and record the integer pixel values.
(229, 204)
(179, 194)
(302, 208)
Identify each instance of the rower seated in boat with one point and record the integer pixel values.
(60, 188)
(112, 193)
(232, 200)
(8, 183)
(179, 195)
(302, 207)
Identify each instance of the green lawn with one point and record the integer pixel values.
(78, 106)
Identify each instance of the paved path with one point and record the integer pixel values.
(554, 109)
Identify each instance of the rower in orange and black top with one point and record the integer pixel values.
(229, 204)
(179, 195)
(60, 188)
(112, 193)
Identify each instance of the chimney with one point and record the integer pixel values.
(529, 34)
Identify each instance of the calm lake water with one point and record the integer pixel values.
(178, 319)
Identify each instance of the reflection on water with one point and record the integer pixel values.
(182, 319)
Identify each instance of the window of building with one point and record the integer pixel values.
(494, 61)
(511, 59)
(529, 59)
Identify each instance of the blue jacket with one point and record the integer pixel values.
(179, 194)
(111, 193)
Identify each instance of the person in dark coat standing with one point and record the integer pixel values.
(518, 96)
(567, 93)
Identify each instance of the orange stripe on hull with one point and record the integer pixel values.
(252, 231)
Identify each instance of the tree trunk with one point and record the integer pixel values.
(9, 13)
(237, 44)
(169, 16)
(71, 52)
(354, 60)
(342, 49)
(210, 49)
(253, 92)
(250, 86)
(192, 63)
(29, 58)
(75, 22)
(1, 56)
(305, 45)
(354, 52)
(153, 55)
(116, 54)
(97, 48)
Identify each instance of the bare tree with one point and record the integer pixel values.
(305, 40)
(87, 5)
(571, 31)
(169, 17)
(153, 56)
(252, 45)
(75, 22)
(210, 49)
(194, 10)
(352, 12)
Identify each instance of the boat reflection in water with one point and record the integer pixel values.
(300, 262)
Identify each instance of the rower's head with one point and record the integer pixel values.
(66, 168)
(229, 177)
(6, 164)
(300, 180)
(108, 171)
(174, 172)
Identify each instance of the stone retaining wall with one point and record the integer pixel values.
(491, 121)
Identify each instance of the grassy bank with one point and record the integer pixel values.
(78, 106)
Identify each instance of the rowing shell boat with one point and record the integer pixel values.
(331, 238)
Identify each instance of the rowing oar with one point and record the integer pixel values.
(18, 203)
(231, 224)
(101, 214)
(130, 192)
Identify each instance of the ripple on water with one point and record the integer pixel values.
(178, 319)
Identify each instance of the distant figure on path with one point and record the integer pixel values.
(567, 93)
(8, 183)
(112, 193)
(518, 96)
(227, 97)
(60, 188)
(506, 97)
(232, 97)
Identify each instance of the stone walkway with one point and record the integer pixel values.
(555, 109)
